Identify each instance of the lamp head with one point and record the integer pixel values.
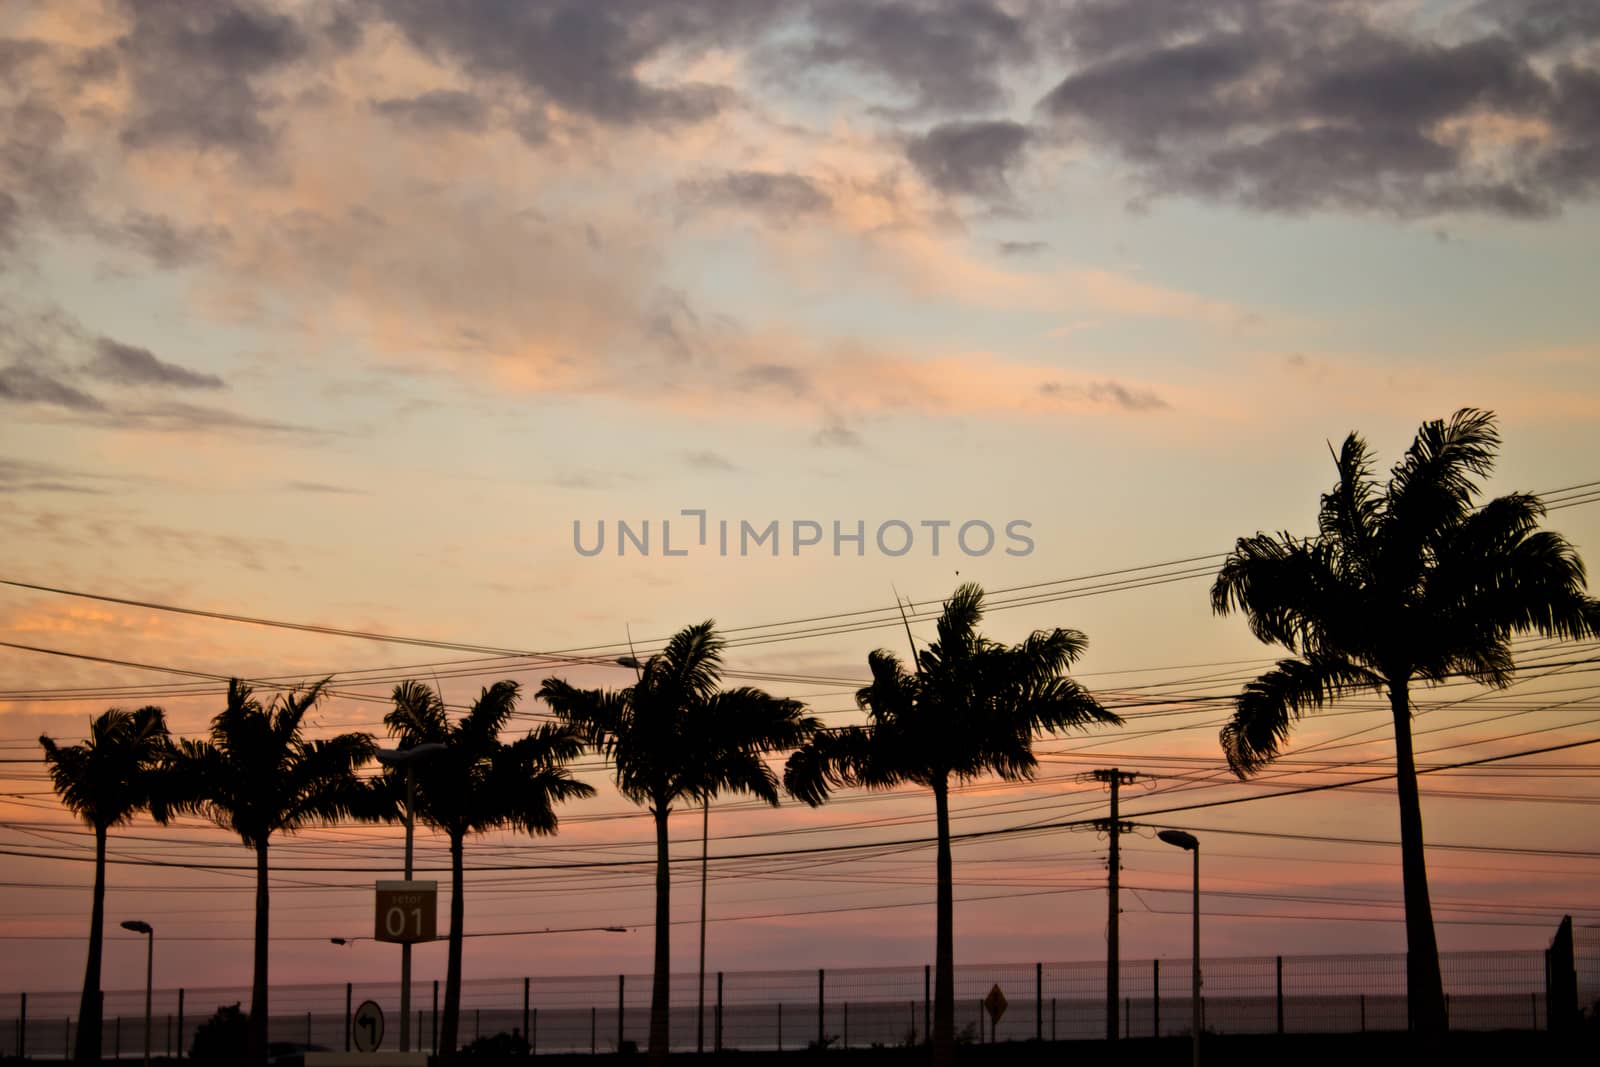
(138, 927)
(399, 757)
(1179, 838)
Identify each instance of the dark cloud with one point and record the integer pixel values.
(837, 434)
(131, 365)
(1022, 248)
(195, 70)
(28, 476)
(780, 376)
(40, 177)
(709, 461)
(1107, 393)
(440, 109)
(780, 196)
(323, 487)
(24, 384)
(969, 157)
(582, 56)
(164, 242)
(1293, 108)
(947, 57)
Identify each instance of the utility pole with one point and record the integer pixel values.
(1115, 778)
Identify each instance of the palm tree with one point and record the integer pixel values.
(256, 775)
(676, 735)
(105, 781)
(479, 783)
(1405, 582)
(972, 707)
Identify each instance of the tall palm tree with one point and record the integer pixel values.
(675, 735)
(256, 775)
(971, 707)
(1405, 582)
(479, 783)
(105, 781)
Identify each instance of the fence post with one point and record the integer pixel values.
(477, 1023)
(980, 1022)
(180, 1021)
(418, 1030)
(846, 1024)
(169, 1035)
(434, 1042)
(526, 1033)
(594, 1017)
(1280, 994)
(927, 1005)
(1533, 1008)
(116, 1043)
(533, 1033)
(1447, 1011)
(1127, 1014)
(1038, 1001)
(349, 988)
(717, 1042)
(308, 1028)
(22, 1030)
(66, 1039)
(780, 1026)
(1155, 996)
(620, 982)
(821, 1038)
(1363, 1013)
(1052, 1018)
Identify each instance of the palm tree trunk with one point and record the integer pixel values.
(449, 1025)
(660, 985)
(1424, 986)
(944, 956)
(256, 1043)
(89, 1006)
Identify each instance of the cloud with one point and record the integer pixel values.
(195, 72)
(969, 157)
(24, 384)
(323, 487)
(161, 239)
(709, 461)
(440, 109)
(130, 365)
(779, 376)
(946, 58)
(782, 197)
(1295, 108)
(27, 476)
(1022, 248)
(837, 434)
(584, 58)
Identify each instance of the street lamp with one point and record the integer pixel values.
(407, 758)
(1192, 844)
(149, 972)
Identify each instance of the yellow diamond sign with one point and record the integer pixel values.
(995, 1004)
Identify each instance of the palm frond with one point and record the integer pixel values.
(1268, 706)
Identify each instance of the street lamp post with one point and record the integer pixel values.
(407, 758)
(1191, 843)
(149, 973)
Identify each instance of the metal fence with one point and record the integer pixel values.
(857, 1007)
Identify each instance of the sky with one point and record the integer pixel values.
(375, 316)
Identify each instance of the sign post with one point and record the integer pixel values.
(995, 1005)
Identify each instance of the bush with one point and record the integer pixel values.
(222, 1039)
(492, 1048)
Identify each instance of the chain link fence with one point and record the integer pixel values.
(856, 1007)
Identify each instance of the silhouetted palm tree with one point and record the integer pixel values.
(105, 781)
(675, 735)
(972, 707)
(1403, 582)
(256, 775)
(477, 784)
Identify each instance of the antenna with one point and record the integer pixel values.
(907, 622)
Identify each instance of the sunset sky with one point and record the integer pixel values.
(349, 314)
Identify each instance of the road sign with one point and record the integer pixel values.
(366, 1026)
(995, 1004)
(407, 912)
